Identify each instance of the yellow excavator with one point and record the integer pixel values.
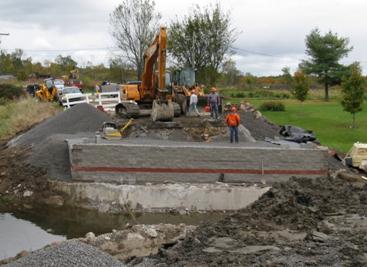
(155, 91)
(47, 91)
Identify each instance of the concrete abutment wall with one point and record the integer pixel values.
(160, 197)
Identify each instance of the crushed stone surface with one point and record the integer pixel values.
(47, 139)
(66, 254)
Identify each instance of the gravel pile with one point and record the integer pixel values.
(47, 139)
(66, 254)
(259, 127)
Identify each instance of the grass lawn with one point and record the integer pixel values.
(327, 119)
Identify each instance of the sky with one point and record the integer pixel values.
(270, 33)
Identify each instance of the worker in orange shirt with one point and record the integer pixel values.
(233, 120)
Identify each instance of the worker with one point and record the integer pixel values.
(213, 103)
(193, 104)
(233, 120)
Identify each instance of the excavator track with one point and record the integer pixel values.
(128, 110)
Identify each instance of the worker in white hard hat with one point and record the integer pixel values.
(193, 104)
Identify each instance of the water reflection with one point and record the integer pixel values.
(18, 234)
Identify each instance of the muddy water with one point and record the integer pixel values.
(30, 229)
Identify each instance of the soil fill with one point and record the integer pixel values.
(302, 222)
(47, 139)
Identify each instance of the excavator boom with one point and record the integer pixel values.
(155, 54)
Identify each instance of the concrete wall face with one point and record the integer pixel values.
(162, 197)
(191, 163)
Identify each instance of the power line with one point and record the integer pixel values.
(70, 49)
(253, 52)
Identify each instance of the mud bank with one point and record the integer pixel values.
(159, 197)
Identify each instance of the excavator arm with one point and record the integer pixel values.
(155, 60)
(155, 55)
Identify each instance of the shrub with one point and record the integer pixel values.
(240, 95)
(272, 106)
(9, 91)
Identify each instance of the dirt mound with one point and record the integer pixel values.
(185, 129)
(318, 222)
(47, 139)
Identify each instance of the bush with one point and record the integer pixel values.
(240, 95)
(272, 106)
(9, 91)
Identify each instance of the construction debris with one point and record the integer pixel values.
(302, 222)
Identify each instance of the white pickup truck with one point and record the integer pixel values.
(69, 95)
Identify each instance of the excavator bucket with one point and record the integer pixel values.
(162, 111)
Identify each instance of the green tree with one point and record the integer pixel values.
(230, 73)
(301, 86)
(66, 63)
(325, 51)
(353, 91)
(249, 80)
(134, 25)
(287, 76)
(201, 41)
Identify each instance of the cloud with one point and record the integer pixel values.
(265, 27)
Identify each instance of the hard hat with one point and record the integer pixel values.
(233, 109)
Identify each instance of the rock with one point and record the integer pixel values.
(291, 235)
(151, 232)
(90, 236)
(107, 238)
(318, 236)
(258, 114)
(253, 249)
(27, 193)
(223, 242)
(326, 227)
(134, 237)
(211, 250)
(22, 254)
(54, 201)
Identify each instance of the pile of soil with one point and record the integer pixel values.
(20, 180)
(47, 139)
(182, 129)
(302, 222)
